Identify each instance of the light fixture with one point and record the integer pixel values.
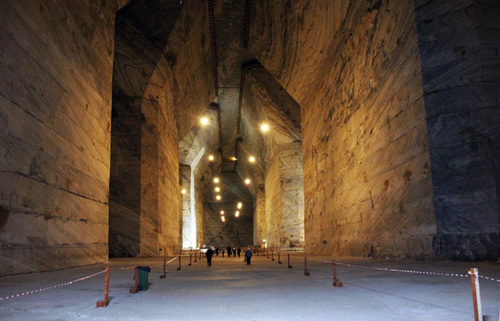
(183, 191)
(240, 205)
(216, 180)
(222, 218)
(204, 121)
(248, 181)
(217, 189)
(237, 213)
(222, 212)
(264, 127)
(218, 197)
(211, 158)
(251, 159)
(233, 158)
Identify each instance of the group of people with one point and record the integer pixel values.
(234, 250)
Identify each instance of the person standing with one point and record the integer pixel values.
(210, 253)
(234, 251)
(228, 251)
(223, 251)
(217, 251)
(238, 251)
(248, 255)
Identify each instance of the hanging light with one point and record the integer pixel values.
(217, 189)
(264, 127)
(218, 197)
(233, 158)
(248, 181)
(240, 205)
(216, 180)
(251, 159)
(204, 121)
(222, 218)
(211, 158)
(237, 213)
(221, 212)
(183, 191)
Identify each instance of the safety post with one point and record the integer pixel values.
(190, 254)
(267, 253)
(200, 254)
(289, 266)
(306, 272)
(195, 256)
(135, 289)
(279, 258)
(336, 282)
(476, 294)
(104, 303)
(272, 255)
(179, 263)
(164, 275)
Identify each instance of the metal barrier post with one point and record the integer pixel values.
(272, 255)
(279, 258)
(164, 275)
(105, 302)
(179, 263)
(190, 254)
(135, 289)
(336, 282)
(306, 272)
(476, 294)
(289, 266)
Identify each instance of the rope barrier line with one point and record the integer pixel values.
(52, 287)
(67, 283)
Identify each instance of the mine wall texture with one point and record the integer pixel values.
(55, 122)
(459, 43)
(354, 68)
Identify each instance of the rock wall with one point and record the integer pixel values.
(459, 43)
(356, 76)
(273, 202)
(55, 122)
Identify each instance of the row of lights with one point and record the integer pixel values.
(251, 159)
(263, 127)
(236, 214)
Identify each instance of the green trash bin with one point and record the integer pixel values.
(143, 272)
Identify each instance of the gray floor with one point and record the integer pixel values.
(231, 290)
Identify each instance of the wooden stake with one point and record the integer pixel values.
(105, 302)
(476, 295)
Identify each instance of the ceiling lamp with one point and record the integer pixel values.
(183, 191)
(237, 213)
(216, 180)
(222, 218)
(248, 181)
(251, 159)
(240, 205)
(221, 212)
(211, 158)
(264, 127)
(204, 121)
(217, 189)
(218, 197)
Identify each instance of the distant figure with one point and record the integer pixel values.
(248, 256)
(238, 251)
(228, 251)
(223, 251)
(234, 251)
(217, 251)
(210, 253)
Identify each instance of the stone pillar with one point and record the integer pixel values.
(292, 195)
(259, 216)
(185, 181)
(459, 55)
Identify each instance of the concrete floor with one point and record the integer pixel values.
(231, 290)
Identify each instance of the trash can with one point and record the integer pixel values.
(143, 272)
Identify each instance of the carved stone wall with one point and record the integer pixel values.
(356, 77)
(55, 122)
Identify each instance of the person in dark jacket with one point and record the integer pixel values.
(234, 251)
(248, 255)
(223, 251)
(217, 251)
(228, 251)
(210, 253)
(238, 251)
